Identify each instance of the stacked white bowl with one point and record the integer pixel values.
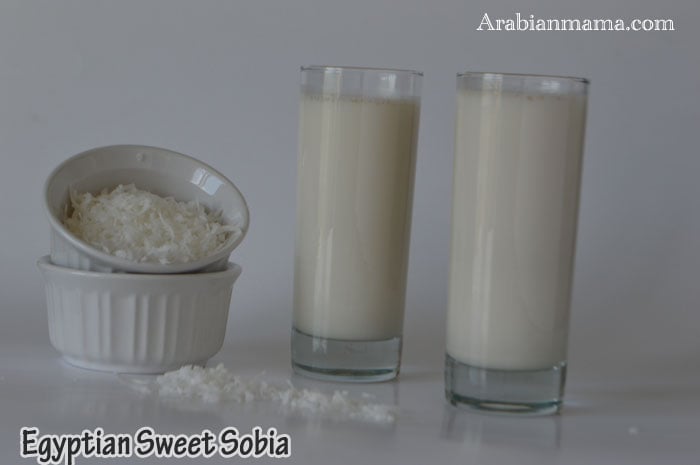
(108, 313)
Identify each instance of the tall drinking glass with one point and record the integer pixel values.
(358, 136)
(517, 170)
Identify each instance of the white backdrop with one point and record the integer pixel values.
(219, 80)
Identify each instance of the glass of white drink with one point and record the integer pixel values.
(517, 169)
(357, 154)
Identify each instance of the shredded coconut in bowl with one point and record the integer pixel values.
(143, 227)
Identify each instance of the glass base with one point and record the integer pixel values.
(538, 392)
(340, 360)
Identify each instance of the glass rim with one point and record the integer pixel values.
(484, 74)
(360, 68)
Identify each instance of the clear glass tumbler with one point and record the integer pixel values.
(357, 154)
(517, 169)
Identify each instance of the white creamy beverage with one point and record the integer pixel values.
(356, 170)
(515, 205)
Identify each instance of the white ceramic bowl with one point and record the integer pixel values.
(157, 170)
(136, 323)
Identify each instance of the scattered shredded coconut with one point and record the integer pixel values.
(218, 385)
(139, 226)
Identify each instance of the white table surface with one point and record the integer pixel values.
(647, 412)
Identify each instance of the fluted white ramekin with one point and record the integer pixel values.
(136, 323)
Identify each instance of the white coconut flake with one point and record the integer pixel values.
(218, 385)
(140, 226)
